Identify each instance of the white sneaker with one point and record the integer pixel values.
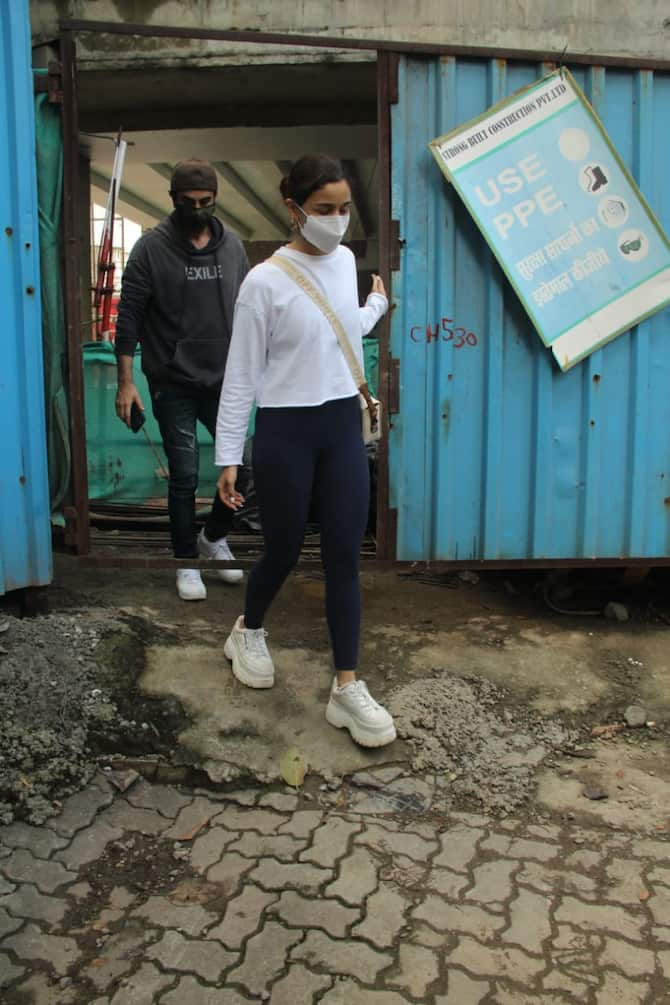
(190, 585)
(246, 649)
(352, 707)
(221, 550)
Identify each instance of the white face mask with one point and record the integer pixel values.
(324, 232)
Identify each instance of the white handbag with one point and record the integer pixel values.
(371, 408)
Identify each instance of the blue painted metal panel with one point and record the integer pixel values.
(25, 542)
(495, 454)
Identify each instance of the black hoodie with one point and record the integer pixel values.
(177, 302)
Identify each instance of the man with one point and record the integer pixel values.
(177, 297)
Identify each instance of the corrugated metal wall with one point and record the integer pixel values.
(495, 454)
(25, 543)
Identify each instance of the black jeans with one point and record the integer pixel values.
(303, 457)
(177, 410)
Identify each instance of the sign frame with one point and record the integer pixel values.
(476, 140)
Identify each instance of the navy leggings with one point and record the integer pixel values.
(304, 456)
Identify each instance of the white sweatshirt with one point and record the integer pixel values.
(283, 352)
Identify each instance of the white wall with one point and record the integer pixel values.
(637, 28)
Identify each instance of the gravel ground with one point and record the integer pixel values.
(476, 737)
(51, 704)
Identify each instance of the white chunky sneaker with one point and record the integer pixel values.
(247, 651)
(190, 585)
(352, 707)
(219, 549)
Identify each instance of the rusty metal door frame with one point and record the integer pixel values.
(77, 512)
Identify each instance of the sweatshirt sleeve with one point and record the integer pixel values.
(133, 303)
(246, 360)
(375, 308)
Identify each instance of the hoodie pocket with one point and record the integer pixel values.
(201, 360)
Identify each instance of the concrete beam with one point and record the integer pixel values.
(240, 185)
(99, 180)
(229, 116)
(240, 228)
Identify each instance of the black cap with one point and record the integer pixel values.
(193, 175)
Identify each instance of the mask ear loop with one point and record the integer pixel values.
(295, 223)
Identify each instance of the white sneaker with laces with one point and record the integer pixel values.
(190, 585)
(219, 549)
(352, 707)
(248, 652)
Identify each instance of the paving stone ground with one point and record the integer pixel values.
(168, 895)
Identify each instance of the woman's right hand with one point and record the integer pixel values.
(378, 284)
(225, 486)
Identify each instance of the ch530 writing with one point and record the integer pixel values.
(443, 331)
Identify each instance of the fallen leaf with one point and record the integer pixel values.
(293, 767)
(609, 729)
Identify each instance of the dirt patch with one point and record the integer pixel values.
(486, 681)
(483, 746)
(67, 695)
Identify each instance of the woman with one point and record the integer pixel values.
(308, 444)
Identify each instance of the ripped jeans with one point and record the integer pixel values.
(177, 411)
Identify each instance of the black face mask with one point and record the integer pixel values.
(193, 221)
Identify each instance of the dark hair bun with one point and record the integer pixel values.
(310, 173)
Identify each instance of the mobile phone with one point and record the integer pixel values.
(137, 417)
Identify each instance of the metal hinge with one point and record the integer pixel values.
(394, 386)
(51, 83)
(395, 244)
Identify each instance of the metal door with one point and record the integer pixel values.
(25, 542)
(494, 454)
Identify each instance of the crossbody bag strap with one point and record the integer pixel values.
(308, 287)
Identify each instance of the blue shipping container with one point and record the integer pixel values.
(25, 540)
(496, 455)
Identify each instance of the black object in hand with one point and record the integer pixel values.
(137, 417)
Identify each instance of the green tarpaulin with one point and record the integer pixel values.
(123, 466)
(49, 155)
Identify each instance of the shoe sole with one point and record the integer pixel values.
(230, 576)
(365, 738)
(230, 652)
(202, 596)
